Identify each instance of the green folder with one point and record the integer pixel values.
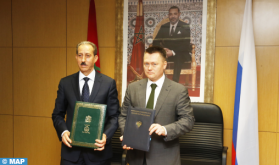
(88, 124)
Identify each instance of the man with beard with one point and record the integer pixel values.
(174, 37)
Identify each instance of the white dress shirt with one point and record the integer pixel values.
(171, 25)
(159, 84)
(90, 82)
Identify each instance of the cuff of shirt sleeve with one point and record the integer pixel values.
(173, 53)
(165, 130)
(63, 133)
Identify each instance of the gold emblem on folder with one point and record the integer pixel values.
(86, 129)
(138, 123)
(88, 119)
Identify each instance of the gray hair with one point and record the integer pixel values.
(87, 43)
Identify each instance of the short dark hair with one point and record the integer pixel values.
(174, 7)
(87, 43)
(157, 49)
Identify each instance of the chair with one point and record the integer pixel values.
(204, 144)
(119, 155)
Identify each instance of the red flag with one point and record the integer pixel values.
(135, 67)
(92, 35)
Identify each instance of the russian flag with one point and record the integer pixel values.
(245, 147)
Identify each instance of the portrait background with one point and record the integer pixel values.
(157, 10)
(208, 32)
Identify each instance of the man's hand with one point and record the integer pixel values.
(101, 143)
(169, 52)
(66, 140)
(158, 129)
(125, 147)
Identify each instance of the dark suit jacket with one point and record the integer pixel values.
(173, 111)
(179, 42)
(103, 92)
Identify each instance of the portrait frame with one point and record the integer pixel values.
(121, 69)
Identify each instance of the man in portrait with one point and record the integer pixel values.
(174, 37)
(87, 85)
(173, 116)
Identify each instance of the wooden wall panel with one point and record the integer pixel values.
(229, 22)
(72, 66)
(277, 149)
(6, 142)
(228, 143)
(35, 138)
(107, 56)
(37, 72)
(105, 11)
(265, 20)
(224, 81)
(6, 24)
(77, 21)
(268, 70)
(6, 81)
(278, 107)
(39, 23)
(267, 147)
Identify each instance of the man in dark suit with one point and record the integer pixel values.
(174, 36)
(173, 117)
(89, 86)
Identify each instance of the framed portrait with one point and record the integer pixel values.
(184, 28)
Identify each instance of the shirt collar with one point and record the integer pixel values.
(159, 82)
(174, 24)
(91, 76)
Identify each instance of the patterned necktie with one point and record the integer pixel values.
(172, 31)
(85, 90)
(150, 103)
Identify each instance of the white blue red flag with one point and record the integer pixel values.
(245, 147)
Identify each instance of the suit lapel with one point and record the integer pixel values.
(163, 95)
(177, 29)
(75, 83)
(97, 84)
(168, 30)
(142, 93)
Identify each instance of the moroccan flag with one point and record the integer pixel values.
(92, 35)
(245, 147)
(135, 67)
